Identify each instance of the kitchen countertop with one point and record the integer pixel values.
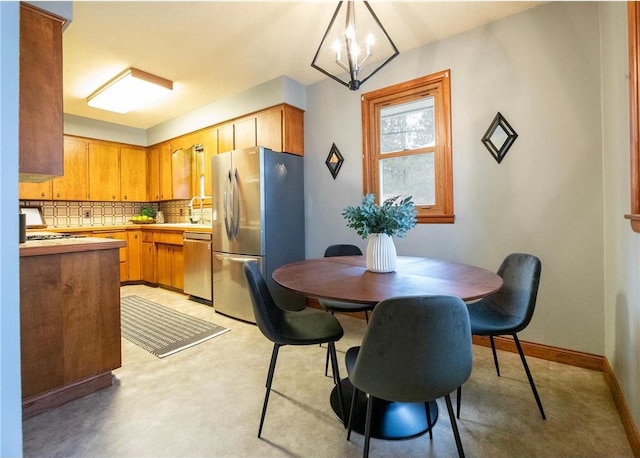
(70, 245)
(189, 227)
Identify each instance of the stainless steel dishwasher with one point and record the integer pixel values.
(197, 266)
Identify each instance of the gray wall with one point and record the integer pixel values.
(621, 245)
(541, 70)
(10, 392)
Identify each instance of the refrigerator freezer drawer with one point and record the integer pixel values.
(230, 290)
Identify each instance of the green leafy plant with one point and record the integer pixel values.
(148, 210)
(393, 217)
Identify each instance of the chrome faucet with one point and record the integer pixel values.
(191, 215)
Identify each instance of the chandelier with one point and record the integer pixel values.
(355, 45)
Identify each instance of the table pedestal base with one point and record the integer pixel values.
(389, 420)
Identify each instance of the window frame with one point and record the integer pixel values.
(438, 85)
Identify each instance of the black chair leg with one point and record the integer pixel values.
(351, 410)
(429, 424)
(272, 368)
(454, 426)
(367, 427)
(458, 401)
(526, 369)
(336, 379)
(366, 316)
(495, 355)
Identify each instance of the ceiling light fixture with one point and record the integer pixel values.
(129, 90)
(350, 49)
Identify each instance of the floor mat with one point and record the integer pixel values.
(160, 330)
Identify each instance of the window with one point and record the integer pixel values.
(406, 132)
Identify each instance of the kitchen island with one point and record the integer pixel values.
(69, 319)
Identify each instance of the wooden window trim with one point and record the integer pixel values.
(633, 18)
(372, 101)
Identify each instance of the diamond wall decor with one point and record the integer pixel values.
(499, 137)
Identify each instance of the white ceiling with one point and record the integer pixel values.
(211, 49)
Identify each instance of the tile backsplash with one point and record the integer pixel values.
(95, 214)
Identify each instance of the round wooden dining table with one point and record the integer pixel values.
(346, 278)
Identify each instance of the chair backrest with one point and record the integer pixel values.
(342, 250)
(516, 298)
(415, 349)
(266, 311)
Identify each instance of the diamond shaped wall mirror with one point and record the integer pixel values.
(334, 161)
(499, 137)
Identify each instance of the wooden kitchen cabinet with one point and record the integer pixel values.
(225, 137)
(170, 266)
(69, 324)
(281, 129)
(244, 133)
(123, 253)
(166, 173)
(182, 164)
(74, 184)
(148, 261)
(134, 256)
(133, 174)
(40, 96)
(35, 191)
(169, 259)
(104, 172)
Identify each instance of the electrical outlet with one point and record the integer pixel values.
(87, 214)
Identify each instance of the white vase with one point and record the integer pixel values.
(381, 253)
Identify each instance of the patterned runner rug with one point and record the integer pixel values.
(160, 330)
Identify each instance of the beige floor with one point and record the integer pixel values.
(206, 401)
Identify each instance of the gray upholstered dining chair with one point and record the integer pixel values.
(286, 327)
(338, 306)
(509, 310)
(415, 349)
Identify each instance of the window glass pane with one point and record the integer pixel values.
(409, 176)
(407, 126)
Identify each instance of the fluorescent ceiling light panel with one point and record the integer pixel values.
(130, 90)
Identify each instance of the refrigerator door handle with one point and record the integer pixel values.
(236, 204)
(226, 200)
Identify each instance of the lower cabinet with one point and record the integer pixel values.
(170, 265)
(124, 251)
(147, 258)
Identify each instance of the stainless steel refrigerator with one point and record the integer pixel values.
(258, 215)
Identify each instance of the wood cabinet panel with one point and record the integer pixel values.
(74, 184)
(35, 191)
(181, 171)
(40, 100)
(169, 259)
(134, 255)
(123, 252)
(133, 174)
(269, 130)
(153, 173)
(166, 175)
(148, 262)
(244, 135)
(164, 264)
(225, 137)
(293, 130)
(104, 172)
(177, 268)
(69, 319)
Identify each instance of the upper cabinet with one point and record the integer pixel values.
(225, 137)
(133, 174)
(74, 184)
(104, 172)
(244, 133)
(40, 101)
(281, 128)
